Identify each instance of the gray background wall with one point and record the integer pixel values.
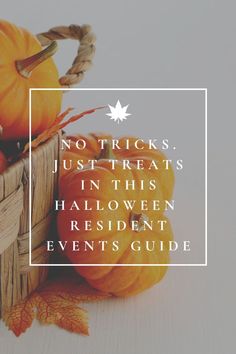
(181, 43)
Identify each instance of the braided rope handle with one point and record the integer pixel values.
(85, 54)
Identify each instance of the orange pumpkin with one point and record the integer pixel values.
(121, 280)
(3, 162)
(93, 151)
(20, 57)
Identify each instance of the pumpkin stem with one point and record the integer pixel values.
(139, 218)
(26, 66)
(106, 153)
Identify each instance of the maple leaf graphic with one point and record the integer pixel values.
(118, 113)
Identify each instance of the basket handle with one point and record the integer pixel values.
(85, 53)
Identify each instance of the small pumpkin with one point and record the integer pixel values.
(119, 281)
(20, 57)
(3, 162)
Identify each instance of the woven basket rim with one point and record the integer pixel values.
(18, 164)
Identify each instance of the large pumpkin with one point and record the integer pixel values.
(93, 151)
(20, 56)
(118, 280)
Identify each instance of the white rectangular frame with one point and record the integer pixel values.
(30, 177)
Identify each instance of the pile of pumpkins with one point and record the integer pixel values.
(23, 66)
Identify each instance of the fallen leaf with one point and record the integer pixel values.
(54, 309)
(72, 290)
(54, 303)
(56, 126)
(20, 317)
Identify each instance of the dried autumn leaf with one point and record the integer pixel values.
(20, 317)
(57, 125)
(55, 303)
(62, 115)
(73, 291)
(54, 309)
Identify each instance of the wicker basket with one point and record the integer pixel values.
(17, 278)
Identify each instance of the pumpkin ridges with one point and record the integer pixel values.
(99, 257)
(96, 276)
(101, 168)
(12, 32)
(119, 284)
(5, 79)
(98, 173)
(31, 43)
(122, 277)
(92, 145)
(119, 278)
(120, 281)
(19, 44)
(90, 257)
(140, 174)
(87, 215)
(158, 176)
(145, 280)
(147, 275)
(6, 47)
(96, 272)
(94, 137)
(86, 154)
(165, 177)
(92, 148)
(11, 94)
(23, 109)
